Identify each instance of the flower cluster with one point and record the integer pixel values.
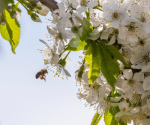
(116, 82)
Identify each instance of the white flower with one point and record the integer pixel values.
(18, 15)
(84, 4)
(44, 11)
(88, 93)
(114, 13)
(73, 3)
(132, 83)
(141, 54)
(141, 13)
(146, 68)
(51, 57)
(37, 19)
(96, 18)
(130, 29)
(55, 17)
(64, 16)
(102, 106)
(59, 36)
(124, 115)
(104, 90)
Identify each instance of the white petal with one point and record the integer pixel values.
(135, 110)
(128, 20)
(128, 73)
(85, 77)
(81, 9)
(132, 38)
(44, 11)
(67, 73)
(119, 114)
(51, 30)
(146, 83)
(126, 3)
(60, 47)
(136, 11)
(146, 68)
(74, 3)
(37, 19)
(128, 93)
(47, 51)
(94, 35)
(145, 94)
(144, 107)
(61, 9)
(80, 96)
(68, 61)
(92, 4)
(104, 35)
(54, 59)
(112, 41)
(123, 105)
(122, 32)
(146, 27)
(18, 16)
(116, 99)
(139, 76)
(148, 103)
(136, 66)
(139, 88)
(114, 104)
(45, 43)
(65, 22)
(115, 24)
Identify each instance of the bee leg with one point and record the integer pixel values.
(44, 78)
(41, 77)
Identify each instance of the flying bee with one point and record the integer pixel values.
(41, 74)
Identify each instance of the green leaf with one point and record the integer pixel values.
(99, 58)
(17, 4)
(4, 4)
(114, 93)
(94, 35)
(83, 45)
(75, 41)
(10, 1)
(121, 123)
(87, 28)
(109, 64)
(109, 116)
(96, 119)
(87, 15)
(11, 31)
(93, 59)
(115, 52)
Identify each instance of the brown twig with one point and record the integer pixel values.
(51, 4)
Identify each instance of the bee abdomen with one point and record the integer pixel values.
(38, 75)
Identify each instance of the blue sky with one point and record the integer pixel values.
(25, 100)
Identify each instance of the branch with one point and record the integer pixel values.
(51, 4)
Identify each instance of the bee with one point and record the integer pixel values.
(41, 74)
